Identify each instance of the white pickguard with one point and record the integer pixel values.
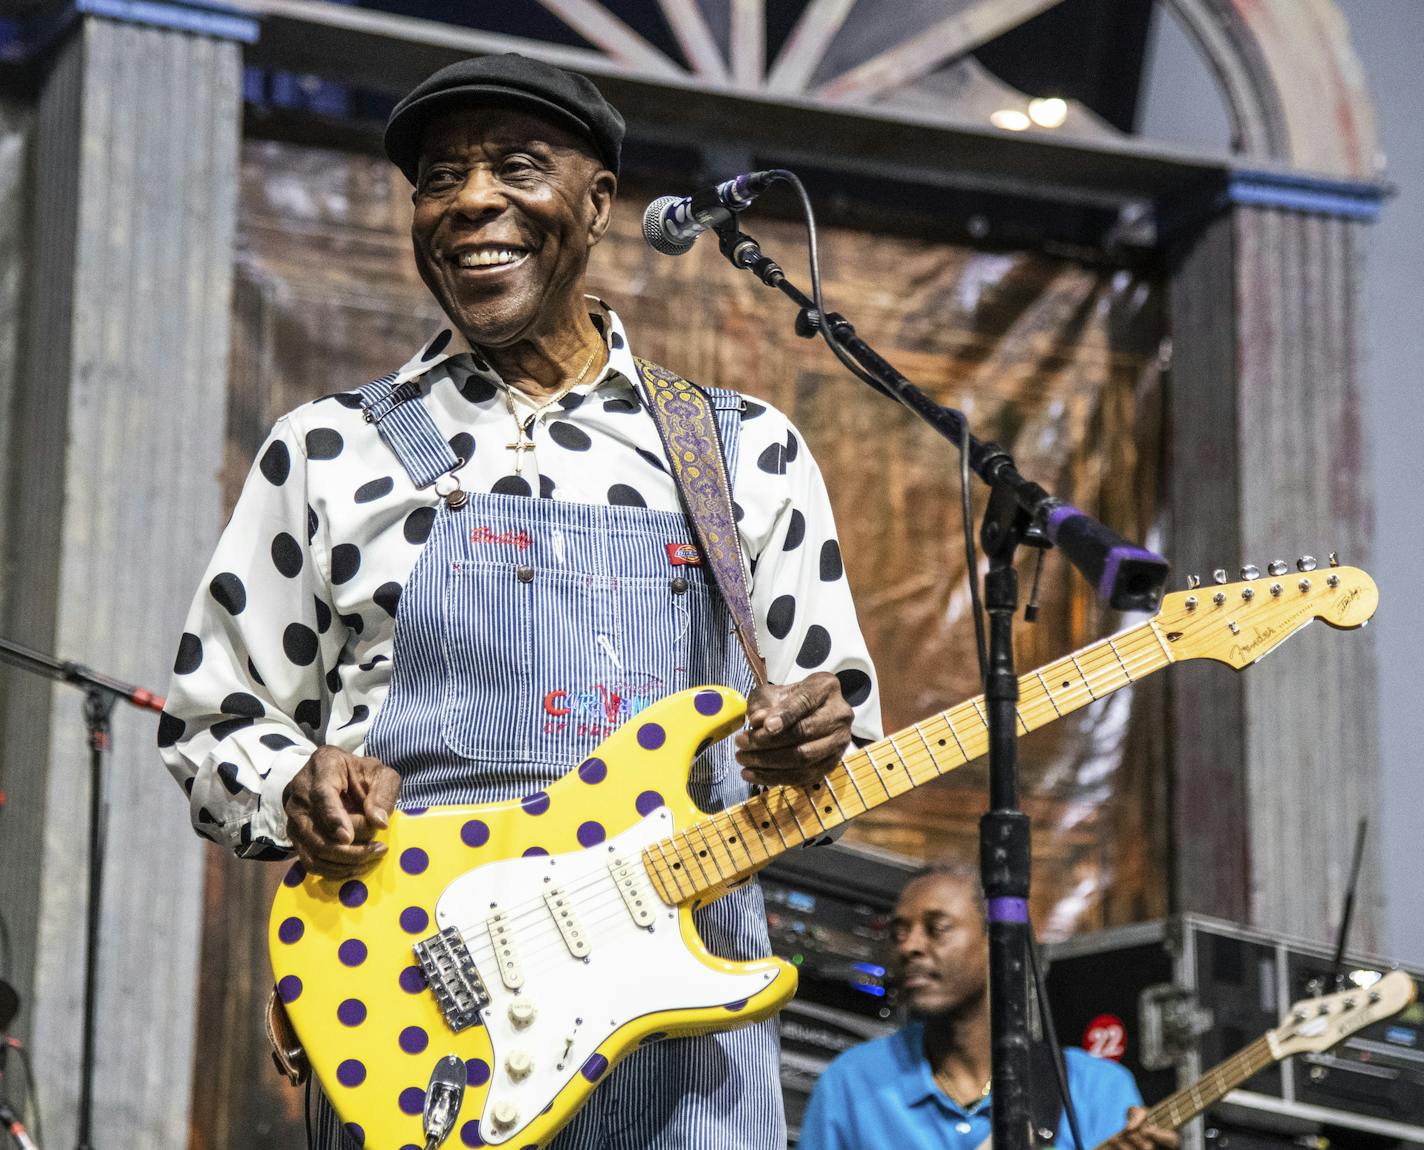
(629, 971)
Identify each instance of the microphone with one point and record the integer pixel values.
(671, 224)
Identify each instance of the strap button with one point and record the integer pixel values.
(678, 584)
(525, 574)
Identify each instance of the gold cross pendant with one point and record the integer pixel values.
(520, 445)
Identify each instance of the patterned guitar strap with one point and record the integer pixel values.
(685, 421)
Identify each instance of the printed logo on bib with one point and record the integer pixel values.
(600, 708)
(684, 555)
(519, 539)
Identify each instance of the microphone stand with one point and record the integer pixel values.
(1019, 511)
(101, 693)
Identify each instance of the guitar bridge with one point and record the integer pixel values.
(451, 975)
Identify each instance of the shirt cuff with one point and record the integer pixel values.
(268, 825)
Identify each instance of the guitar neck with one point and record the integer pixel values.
(1179, 1108)
(705, 860)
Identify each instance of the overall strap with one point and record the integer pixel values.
(408, 429)
(692, 441)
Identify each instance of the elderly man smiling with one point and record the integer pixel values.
(416, 568)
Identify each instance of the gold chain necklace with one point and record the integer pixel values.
(943, 1081)
(524, 440)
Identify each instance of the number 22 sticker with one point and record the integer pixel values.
(1106, 1037)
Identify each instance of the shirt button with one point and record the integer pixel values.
(525, 574)
(678, 585)
(963, 1127)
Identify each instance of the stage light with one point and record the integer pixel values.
(1010, 119)
(1049, 112)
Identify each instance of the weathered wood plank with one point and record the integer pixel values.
(945, 40)
(695, 38)
(602, 28)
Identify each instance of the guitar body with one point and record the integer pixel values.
(547, 899)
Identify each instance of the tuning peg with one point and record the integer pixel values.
(1305, 563)
(1334, 559)
(1250, 572)
(1219, 575)
(1277, 567)
(1193, 582)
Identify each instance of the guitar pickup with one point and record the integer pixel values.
(510, 972)
(451, 975)
(561, 907)
(629, 878)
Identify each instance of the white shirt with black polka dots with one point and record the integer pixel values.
(288, 642)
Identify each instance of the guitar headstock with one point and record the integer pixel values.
(1237, 623)
(1316, 1024)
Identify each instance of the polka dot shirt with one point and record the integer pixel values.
(288, 643)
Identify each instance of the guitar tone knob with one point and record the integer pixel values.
(1250, 572)
(1305, 563)
(1277, 567)
(519, 1064)
(522, 1012)
(505, 1115)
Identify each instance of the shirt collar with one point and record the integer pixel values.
(916, 1080)
(447, 342)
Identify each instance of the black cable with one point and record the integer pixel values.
(306, 1111)
(823, 326)
(1050, 1035)
(971, 558)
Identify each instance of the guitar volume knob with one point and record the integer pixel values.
(504, 1114)
(519, 1064)
(522, 1012)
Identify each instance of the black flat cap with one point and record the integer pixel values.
(564, 97)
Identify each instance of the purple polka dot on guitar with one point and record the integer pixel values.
(291, 930)
(413, 920)
(355, 1133)
(648, 802)
(352, 1072)
(651, 736)
(470, 1134)
(590, 834)
(412, 1100)
(735, 1006)
(413, 1039)
(535, 852)
(474, 833)
(707, 702)
(353, 893)
(477, 1071)
(594, 1068)
(412, 980)
(295, 873)
(593, 770)
(414, 812)
(289, 989)
(352, 952)
(352, 1012)
(414, 861)
(535, 804)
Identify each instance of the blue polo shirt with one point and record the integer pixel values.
(881, 1095)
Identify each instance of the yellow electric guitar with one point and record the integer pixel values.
(500, 958)
(1311, 1026)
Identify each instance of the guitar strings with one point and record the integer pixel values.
(1093, 662)
(1124, 656)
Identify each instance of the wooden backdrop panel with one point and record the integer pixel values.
(1053, 358)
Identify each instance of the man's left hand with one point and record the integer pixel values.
(1138, 1136)
(794, 733)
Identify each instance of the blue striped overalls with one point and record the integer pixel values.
(528, 629)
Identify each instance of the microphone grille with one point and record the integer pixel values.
(656, 234)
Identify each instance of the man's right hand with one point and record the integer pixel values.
(335, 804)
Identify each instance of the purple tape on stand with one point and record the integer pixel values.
(1092, 540)
(1008, 910)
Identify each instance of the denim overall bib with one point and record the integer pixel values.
(528, 630)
